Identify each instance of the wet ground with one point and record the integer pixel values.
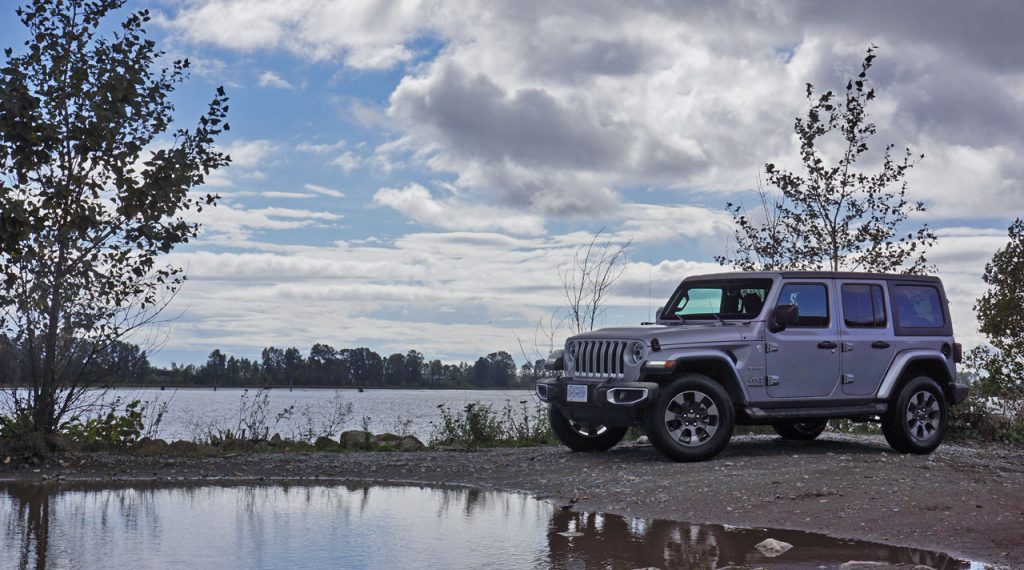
(962, 500)
(372, 526)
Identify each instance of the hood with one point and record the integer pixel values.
(672, 335)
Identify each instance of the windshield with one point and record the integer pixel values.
(727, 299)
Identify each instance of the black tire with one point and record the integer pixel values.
(686, 408)
(806, 430)
(917, 417)
(584, 437)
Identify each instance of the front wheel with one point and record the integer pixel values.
(584, 437)
(692, 419)
(917, 417)
(806, 431)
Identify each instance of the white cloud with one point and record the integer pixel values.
(347, 161)
(324, 191)
(271, 79)
(249, 153)
(416, 203)
(321, 148)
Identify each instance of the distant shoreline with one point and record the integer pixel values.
(286, 388)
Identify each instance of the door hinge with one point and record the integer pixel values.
(771, 347)
(847, 346)
(773, 380)
(847, 378)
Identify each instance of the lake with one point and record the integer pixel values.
(191, 410)
(385, 527)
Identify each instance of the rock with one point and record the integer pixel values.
(863, 565)
(324, 443)
(182, 447)
(772, 548)
(388, 439)
(276, 440)
(357, 439)
(236, 445)
(570, 534)
(59, 442)
(148, 446)
(410, 443)
(643, 440)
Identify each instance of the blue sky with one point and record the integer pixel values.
(414, 174)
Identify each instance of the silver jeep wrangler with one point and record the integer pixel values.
(790, 349)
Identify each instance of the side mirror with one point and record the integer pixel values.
(782, 317)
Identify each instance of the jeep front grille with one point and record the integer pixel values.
(600, 358)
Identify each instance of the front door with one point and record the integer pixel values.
(803, 360)
(867, 336)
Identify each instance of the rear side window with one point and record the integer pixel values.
(863, 306)
(917, 306)
(812, 301)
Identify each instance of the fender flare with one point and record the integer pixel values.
(733, 381)
(900, 363)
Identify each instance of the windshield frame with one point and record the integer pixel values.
(667, 314)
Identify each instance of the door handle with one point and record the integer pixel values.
(827, 344)
(879, 344)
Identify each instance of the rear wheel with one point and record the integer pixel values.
(917, 417)
(579, 436)
(692, 419)
(807, 430)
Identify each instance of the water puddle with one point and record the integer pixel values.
(345, 526)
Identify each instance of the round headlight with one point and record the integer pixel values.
(570, 350)
(638, 352)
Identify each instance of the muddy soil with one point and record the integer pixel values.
(967, 501)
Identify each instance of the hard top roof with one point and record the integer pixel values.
(817, 275)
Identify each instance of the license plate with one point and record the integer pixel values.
(576, 393)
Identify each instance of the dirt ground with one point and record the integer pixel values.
(962, 500)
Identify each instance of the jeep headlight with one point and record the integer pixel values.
(637, 353)
(570, 351)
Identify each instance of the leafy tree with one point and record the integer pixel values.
(1001, 318)
(834, 215)
(395, 370)
(85, 208)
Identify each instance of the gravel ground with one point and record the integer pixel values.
(967, 501)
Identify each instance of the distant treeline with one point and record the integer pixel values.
(324, 366)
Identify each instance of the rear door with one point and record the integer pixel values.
(866, 332)
(803, 360)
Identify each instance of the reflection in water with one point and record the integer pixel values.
(363, 526)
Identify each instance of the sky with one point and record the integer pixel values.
(417, 174)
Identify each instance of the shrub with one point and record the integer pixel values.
(113, 429)
(480, 425)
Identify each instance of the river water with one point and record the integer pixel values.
(191, 411)
(386, 527)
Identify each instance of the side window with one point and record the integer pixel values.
(917, 306)
(812, 301)
(863, 306)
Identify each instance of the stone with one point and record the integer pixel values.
(324, 443)
(410, 443)
(772, 548)
(148, 446)
(357, 439)
(182, 447)
(388, 439)
(643, 440)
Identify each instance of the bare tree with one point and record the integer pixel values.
(588, 280)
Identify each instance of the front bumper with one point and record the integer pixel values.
(612, 394)
(608, 403)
